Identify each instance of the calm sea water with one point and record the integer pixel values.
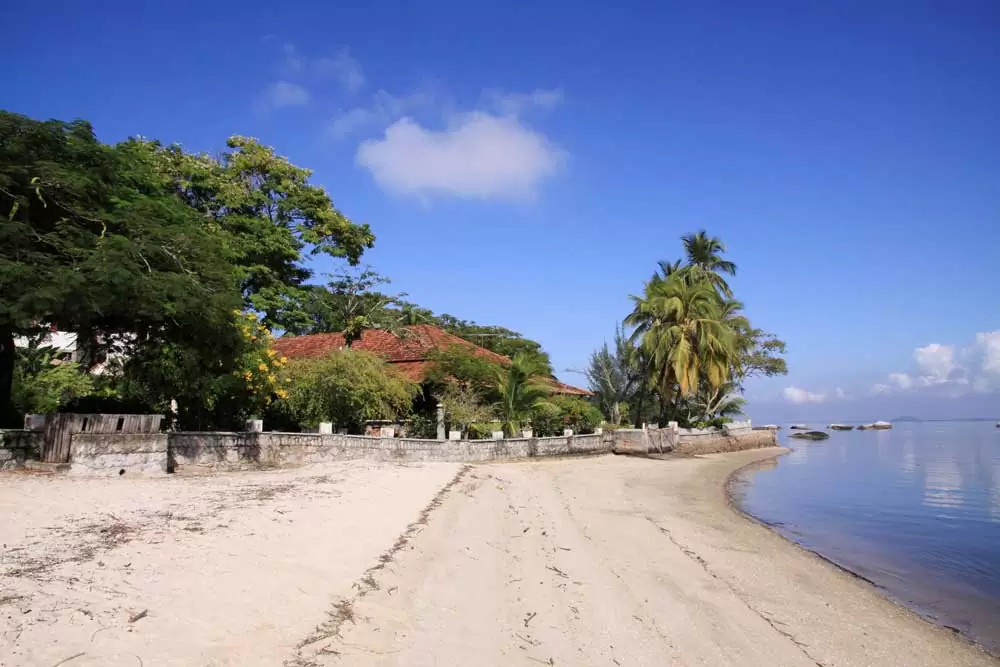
(916, 510)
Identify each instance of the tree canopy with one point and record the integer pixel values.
(155, 254)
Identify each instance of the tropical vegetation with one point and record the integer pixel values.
(173, 271)
(687, 346)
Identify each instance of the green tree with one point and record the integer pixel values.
(704, 256)
(464, 406)
(695, 345)
(614, 374)
(497, 339)
(270, 214)
(348, 388)
(522, 393)
(97, 244)
(462, 365)
(562, 412)
(678, 323)
(43, 382)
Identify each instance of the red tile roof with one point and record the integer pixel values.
(410, 352)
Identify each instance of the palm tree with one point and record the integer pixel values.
(678, 324)
(522, 392)
(704, 255)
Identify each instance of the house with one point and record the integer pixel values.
(409, 352)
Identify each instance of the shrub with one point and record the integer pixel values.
(348, 388)
(562, 412)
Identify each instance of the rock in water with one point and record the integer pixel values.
(881, 426)
(840, 427)
(799, 427)
(811, 435)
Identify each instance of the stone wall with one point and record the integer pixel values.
(722, 441)
(152, 453)
(238, 451)
(690, 441)
(118, 453)
(18, 446)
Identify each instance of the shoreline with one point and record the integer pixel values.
(728, 489)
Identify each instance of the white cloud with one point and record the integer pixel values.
(292, 61)
(384, 110)
(881, 389)
(952, 371)
(797, 395)
(936, 363)
(514, 104)
(989, 345)
(902, 380)
(285, 94)
(841, 394)
(344, 68)
(478, 155)
(348, 122)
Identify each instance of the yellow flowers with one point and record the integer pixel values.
(262, 367)
(281, 393)
(248, 375)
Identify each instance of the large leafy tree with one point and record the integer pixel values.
(96, 243)
(271, 216)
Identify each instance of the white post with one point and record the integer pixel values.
(326, 427)
(255, 425)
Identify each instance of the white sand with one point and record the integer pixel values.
(604, 561)
(618, 561)
(232, 569)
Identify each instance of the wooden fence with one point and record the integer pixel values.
(59, 429)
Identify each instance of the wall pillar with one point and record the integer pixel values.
(441, 434)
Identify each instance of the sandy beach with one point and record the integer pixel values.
(598, 561)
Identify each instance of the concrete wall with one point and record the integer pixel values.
(18, 446)
(118, 454)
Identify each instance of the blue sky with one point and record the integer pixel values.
(526, 164)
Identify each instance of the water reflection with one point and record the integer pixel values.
(916, 509)
(943, 484)
(995, 495)
(909, 458)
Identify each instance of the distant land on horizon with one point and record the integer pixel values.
(899, 420)
(961, 419)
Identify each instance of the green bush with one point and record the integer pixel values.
(562, 412)
(348, 388)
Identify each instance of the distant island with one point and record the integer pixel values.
(957, 419)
